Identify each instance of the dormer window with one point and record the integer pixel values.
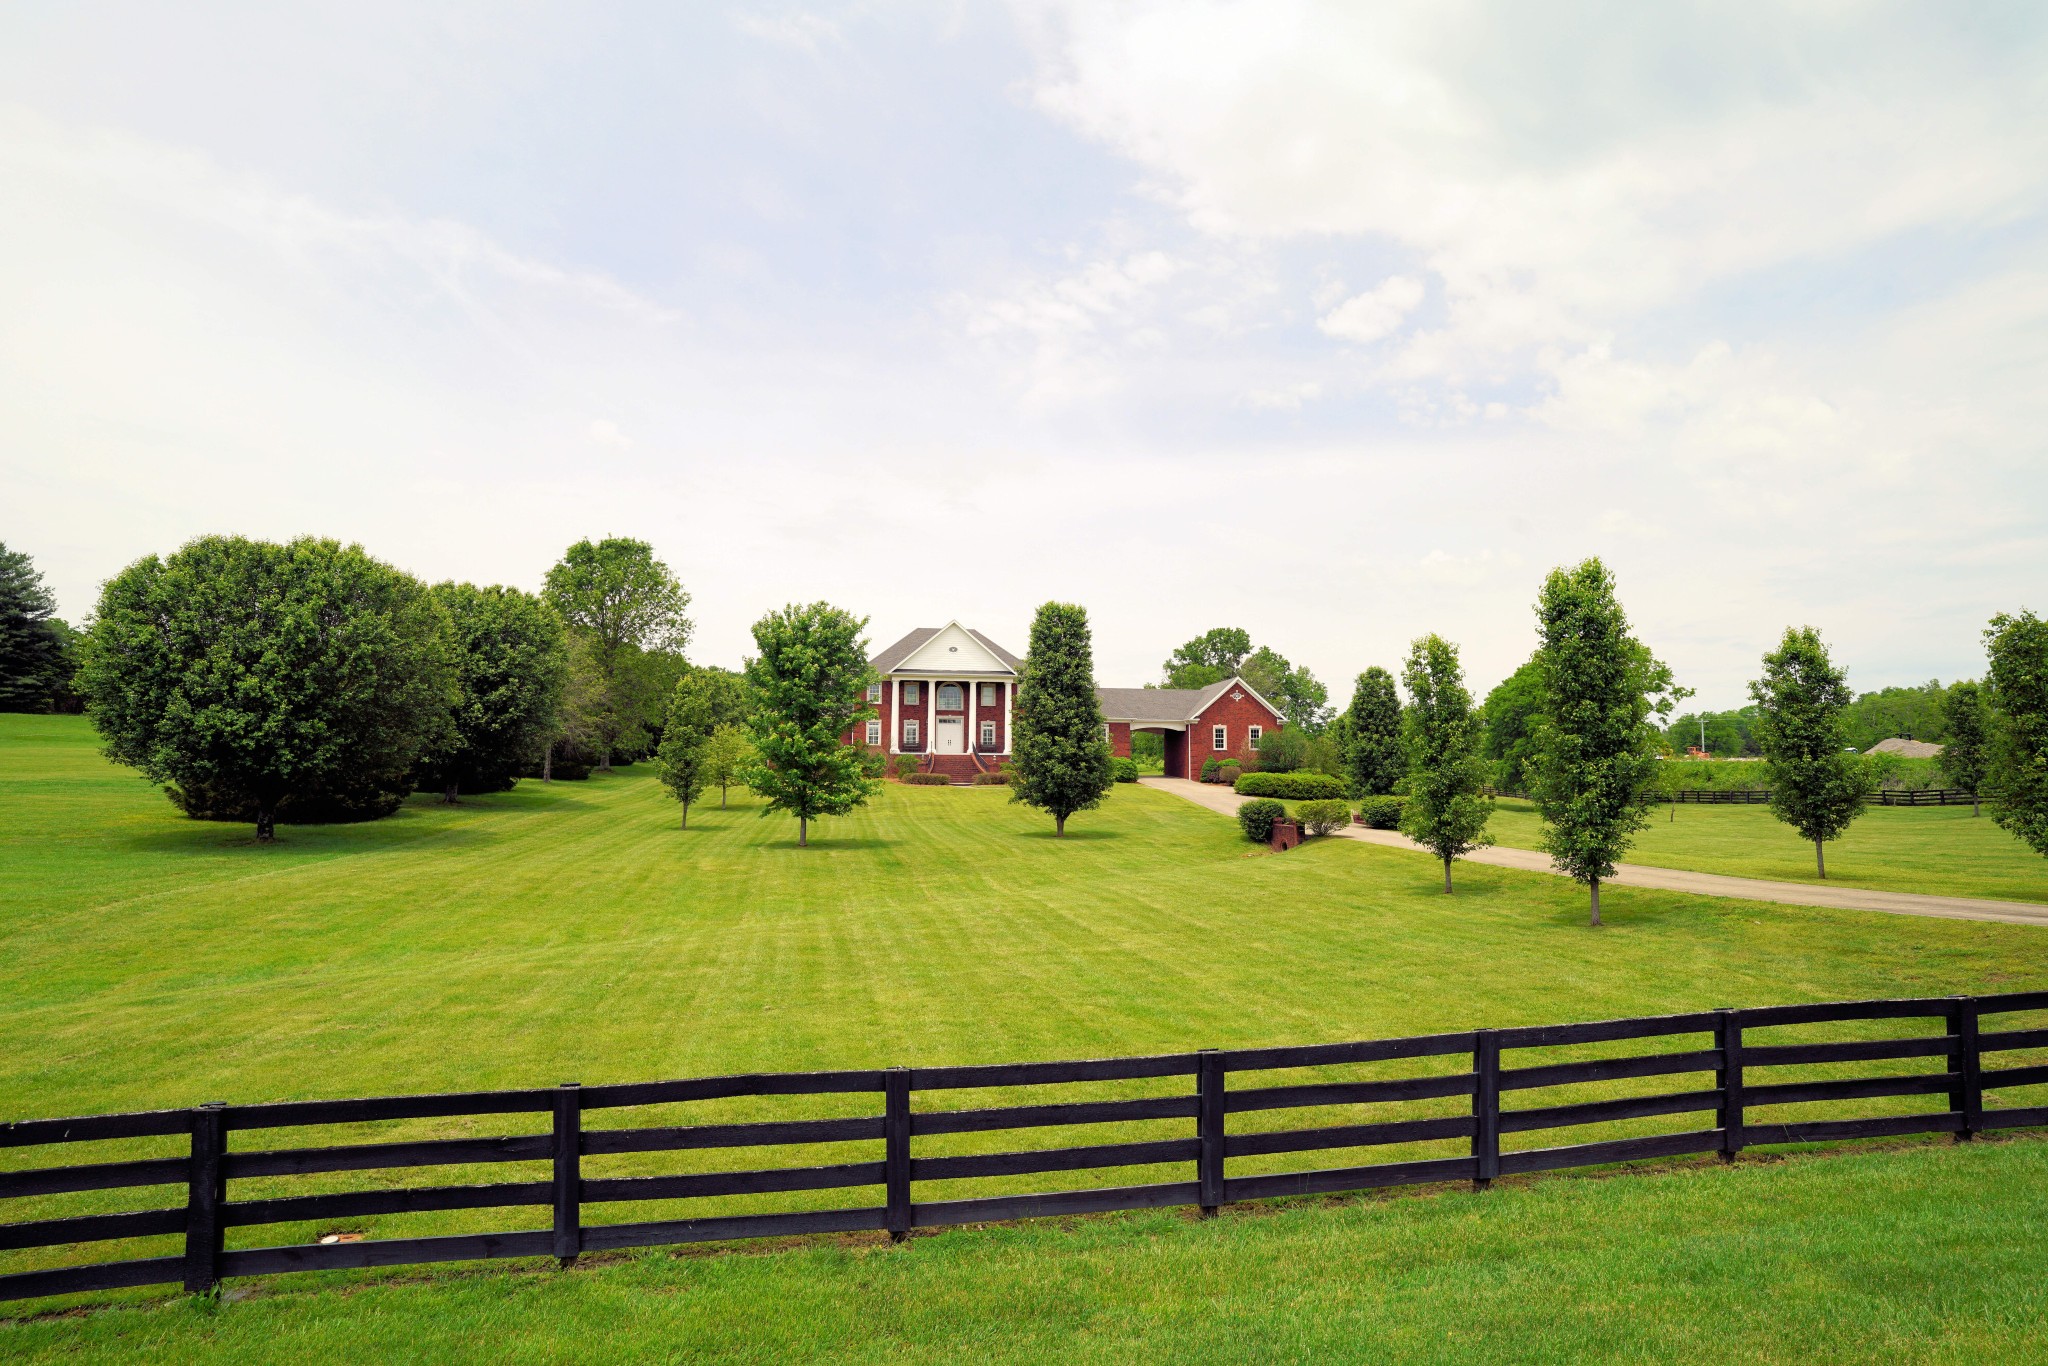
(949, 697)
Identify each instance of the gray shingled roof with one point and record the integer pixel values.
(903, 649)
(1156, 704)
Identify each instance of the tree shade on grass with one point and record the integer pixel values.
(1596, 754)
(1446, 811)
(1060, 753)
(509, 660)
(1818, 786)
(2017, 771)
(808, 686)
(268, 681)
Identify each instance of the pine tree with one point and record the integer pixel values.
(1061, 754)
(1595, 763)
(1818, 784)
(1446, 811)
(35, 647)
(2017, 769)
(807, 687)
(1963, 757)
(1373, 761)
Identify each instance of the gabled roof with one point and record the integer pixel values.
(1169, 704)
(891, 659)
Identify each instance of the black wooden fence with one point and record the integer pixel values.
(1886, 796)
(1724, 1047)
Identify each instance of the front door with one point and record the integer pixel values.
(949, 736)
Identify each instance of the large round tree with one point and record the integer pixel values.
(1062, 751)
(268, 682)
(510, 662)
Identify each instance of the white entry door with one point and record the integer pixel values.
(949, 736)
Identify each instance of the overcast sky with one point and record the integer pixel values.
(1340, 323)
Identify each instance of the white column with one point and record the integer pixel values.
(892, 713)
(974, 716)
(1009, 692)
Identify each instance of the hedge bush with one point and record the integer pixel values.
(1293, 787)
(1382, 813)
(996, 779)
(1320, 818)
(1209, 767)
(1126, 770)
(928, 779)
(1257, 817)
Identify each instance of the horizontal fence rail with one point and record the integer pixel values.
(1884, 796)
(1715, 1079)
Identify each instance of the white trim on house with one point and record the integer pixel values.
(1219, 738)
(874, 733)
(911, 734)
(953, 649)
(1254, 734)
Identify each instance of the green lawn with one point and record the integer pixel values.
(1928, 1254)
(572, 932)
(1941, 850)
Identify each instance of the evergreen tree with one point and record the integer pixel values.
(2016, 771)
(35, 647)
(628, 615)
(1061, 755)
(1446, 811)
(682, 760)
(1818, 784)
(1595, 766)
(268, 682)
(510, 660)
(1963, 757)
(1373, 761)
(807, 687)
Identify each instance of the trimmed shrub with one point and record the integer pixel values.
(927, 779)
(1257, 817)
(1209, 767)
(1382, 813)
(1320, 818)
(1227, 772)
(1000, 778)
(1293, 787)
(1126, 770)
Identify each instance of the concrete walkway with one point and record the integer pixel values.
(1221, 799)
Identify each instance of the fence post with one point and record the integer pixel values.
(896, 1151)
(568, 1150)
(1485, 1108)
(1966, 1097)
(1209, 1078)
(1728, 1079)
(205, 1188)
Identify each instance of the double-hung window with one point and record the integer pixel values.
(874, 733)
(988, 735)
(1253, 736)
(989, 694)
(1221, 738)
(910, 730)
(913, 692)
(874, 692)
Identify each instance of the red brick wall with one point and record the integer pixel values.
(1120, 739)
(891, 711)
(1237, 717)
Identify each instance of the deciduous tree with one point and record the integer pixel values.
(682, 760)
(267, 682)
(1209, 658)
(1818, 784)
(1594, 769)
(1373, 761)
(1963, 758)
(807, 687)
(1300, 697)
(1513, 713)
(726, 757)
(2016, 774)
(1447, 809)
(510, 664)
(626, 610)
(1061, 755)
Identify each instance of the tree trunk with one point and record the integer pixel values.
(547, 763)
(448, 793)
(1447, 876)
(1820, 860)
(721, 796)
(1976, 806)
(803, 832)
(686, 815)
(1059, 826)
(266, 822)
(604, 758)
(1594, 886)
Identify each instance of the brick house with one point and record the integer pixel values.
(946, 696)
(1198, 723)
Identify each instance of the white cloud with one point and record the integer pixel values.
(1377, 313)
(803, 30)
(1288, 398)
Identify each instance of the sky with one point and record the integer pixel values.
(1341, 323)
